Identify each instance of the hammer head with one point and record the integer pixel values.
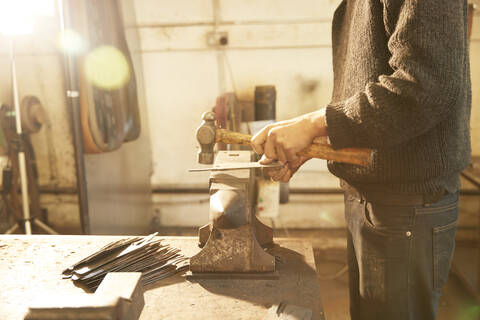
(206, 138)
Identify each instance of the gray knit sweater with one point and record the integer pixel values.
(402, 88)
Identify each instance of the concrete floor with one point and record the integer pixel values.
(330, 256)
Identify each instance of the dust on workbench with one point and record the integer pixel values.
(17, 260)
(32, 265)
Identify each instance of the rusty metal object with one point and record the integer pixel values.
(208, 135)
(232, 251)
(230, 240)
(263, 233)
(206, 138)
(265, 102)
(32, 114)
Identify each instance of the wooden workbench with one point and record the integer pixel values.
(31, 266)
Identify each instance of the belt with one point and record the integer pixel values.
(397, 199)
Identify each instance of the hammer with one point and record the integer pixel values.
(208, 134)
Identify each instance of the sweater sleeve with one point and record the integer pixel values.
(427, 45)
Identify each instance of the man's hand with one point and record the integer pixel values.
(283, 140)
(286, 172)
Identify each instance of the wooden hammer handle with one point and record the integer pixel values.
(230, 137)
(358, 156)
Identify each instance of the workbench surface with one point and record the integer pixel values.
(31, 266)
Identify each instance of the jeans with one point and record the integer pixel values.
(399, 256)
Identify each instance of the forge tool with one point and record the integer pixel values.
(208, 135)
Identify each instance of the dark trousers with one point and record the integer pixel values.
(399, 255)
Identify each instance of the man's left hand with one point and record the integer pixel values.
(283, 140)
(286, 172)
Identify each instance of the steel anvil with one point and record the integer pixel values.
(232, 241)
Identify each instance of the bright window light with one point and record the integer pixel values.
(18, 17)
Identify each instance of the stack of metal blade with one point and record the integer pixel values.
(141, 254)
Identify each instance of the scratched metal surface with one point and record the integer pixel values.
(31, 266)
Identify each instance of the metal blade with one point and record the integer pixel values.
(237, 166)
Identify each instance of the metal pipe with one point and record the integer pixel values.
(21, 153)
(222, 22)
(73, 100)
(204, 190)
(200, 190)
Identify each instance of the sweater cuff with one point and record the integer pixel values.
(340, 131)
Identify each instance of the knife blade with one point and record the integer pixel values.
(237, 166)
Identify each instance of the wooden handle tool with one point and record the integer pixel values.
(358, 156)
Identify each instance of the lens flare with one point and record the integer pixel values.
(470, 313)
(19, 17)
(71, 42)
(107, 68)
